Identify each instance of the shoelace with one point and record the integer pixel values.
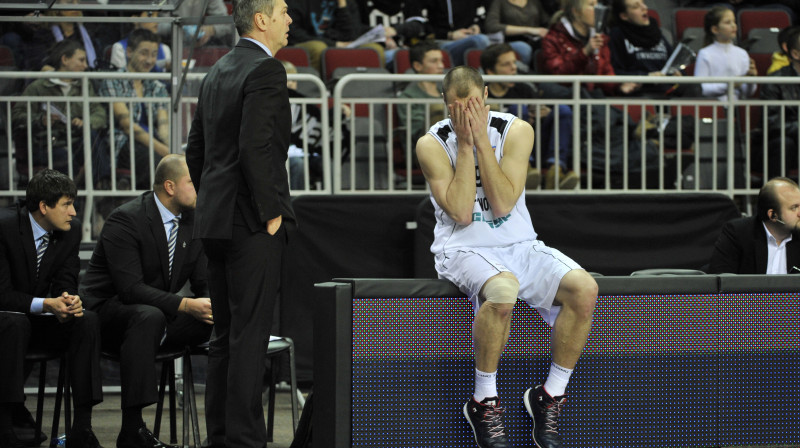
(552, 413)
(492, 418)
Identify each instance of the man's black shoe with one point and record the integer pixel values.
(143, 438)
(545, 411)
(25, 427)
(83, 439)
(9, 440)
(486, 420)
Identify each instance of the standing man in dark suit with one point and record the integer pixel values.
(39, 305)
(142, 260)
(237, 151)
(768, 243)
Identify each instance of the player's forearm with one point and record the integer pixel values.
(461, 191)
(497, 186)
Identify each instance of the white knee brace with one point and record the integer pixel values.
(501, 290)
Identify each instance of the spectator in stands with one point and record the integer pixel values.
(119, 57)
(40, 308)
(426, 59)
(572, 47)
(142, 52)
(144, 257)
(454, 25)
(319, 24)
(306, 133)
(637, 45)
(44, 35)
(218, 34)
(780, 58)
(784, 130)
(767, 243)
(499, 59)
(522, 23)
(720, 57)
(54, 126)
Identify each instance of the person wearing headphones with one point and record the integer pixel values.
(766, 243)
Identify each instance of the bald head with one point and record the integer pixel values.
(171, 167)
(460, 82)
(772, 195)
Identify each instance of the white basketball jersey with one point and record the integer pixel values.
(486, 229)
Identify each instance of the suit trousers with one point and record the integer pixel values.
(79, 336)
(244, 280)
(135, 332)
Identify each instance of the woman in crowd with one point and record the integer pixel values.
(572, 47)
(636, 43)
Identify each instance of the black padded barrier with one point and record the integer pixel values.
(711, 360)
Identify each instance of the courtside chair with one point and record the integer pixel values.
(41, 357)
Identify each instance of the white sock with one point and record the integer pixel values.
(485, 385)
(557, 380)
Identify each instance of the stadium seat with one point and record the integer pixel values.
(207, 56)
(6, 57)
(333, 58)
(763, 61)
(749, 19)
(296, 55)
(654, 15)
(761, 40)
(687, 18)
(694, 38)
(473, 58)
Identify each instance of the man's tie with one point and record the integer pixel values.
(45, 241)
(173, 238)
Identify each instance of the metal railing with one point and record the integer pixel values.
(370, 151)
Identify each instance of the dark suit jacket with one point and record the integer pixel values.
(57, 273)
(130, 262)
(742, 249)
(237, 147)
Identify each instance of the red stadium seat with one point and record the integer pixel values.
(6, 57)
(473, 58)
(402, 61)
(296, 55)
(688, 18)
(333, 58)
(761, 18)
(207, 56)
(654, 15)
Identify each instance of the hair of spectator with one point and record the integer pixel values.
(289, 67)
(171, 167)
(244, 10)
(417, 52)
(140, 35)
(48, 186)
(491, 54)
(460, 81)
(712, 19)
(66, 47)
(617, 8)
(568, 8)
(768, 198)
(791, 36)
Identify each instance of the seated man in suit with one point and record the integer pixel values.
(39, 305)
(766, 243)
(143, 258)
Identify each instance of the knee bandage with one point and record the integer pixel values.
(501, 290)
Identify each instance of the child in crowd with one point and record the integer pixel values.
(720, 57)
